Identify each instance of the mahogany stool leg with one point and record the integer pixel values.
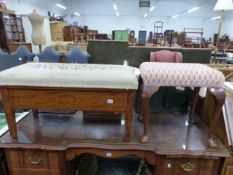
(145, 111)
(194, 105)
(35, 112)
(219, 97)
(10, 117)
(10, 113)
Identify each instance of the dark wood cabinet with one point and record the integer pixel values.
(11, 27)
(68, 33)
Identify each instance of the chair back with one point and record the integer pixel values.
(23, 51)
(77, 56)
(2, 53)
(9, 61)
(49, 54)
(166, 56)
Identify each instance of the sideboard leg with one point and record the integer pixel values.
(35, 112)
(219, 98)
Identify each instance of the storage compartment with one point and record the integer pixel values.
(90, 164)
(36, 162)
(189, 166)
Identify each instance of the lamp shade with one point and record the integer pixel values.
(223, 5)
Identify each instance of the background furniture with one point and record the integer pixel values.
(168, 37)
(158, 33)
(49, 54)
(120, 35)
(166, 56)
(2, 53)
(23, 52)
(114, 52)
(57, 30)
(8, 61)
(13, 46)
(76, 56)
(141, 37)
(193, 36)
(11, 29)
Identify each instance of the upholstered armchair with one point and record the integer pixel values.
(166, 56)
(77, 56)
(49, 54)
(23, 51)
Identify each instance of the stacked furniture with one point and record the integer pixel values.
(57, 31)
(12, 31)
(120, 35)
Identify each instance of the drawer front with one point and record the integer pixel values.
(65, 99)
(189, 166)
(35, 159)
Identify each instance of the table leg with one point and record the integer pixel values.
(35, 112)
(10, 113)
(194, 105)
(145, 107)
(219, 98)
(128, 117)
(10, 117)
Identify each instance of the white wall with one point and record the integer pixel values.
(100, 15)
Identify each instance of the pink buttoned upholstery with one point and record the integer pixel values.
(155, 75)
(166, 56)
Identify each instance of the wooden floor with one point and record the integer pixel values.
(169, 134)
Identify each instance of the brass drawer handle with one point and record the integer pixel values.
(34, 159)
(187, 167)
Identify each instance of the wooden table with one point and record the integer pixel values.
(18, 94)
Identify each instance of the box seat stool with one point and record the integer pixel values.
(69, 87)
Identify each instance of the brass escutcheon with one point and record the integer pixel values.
(34, 159)
(187, 167)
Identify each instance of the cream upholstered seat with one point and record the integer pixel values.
(70, 75)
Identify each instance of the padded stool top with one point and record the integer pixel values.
(70, 76)
(156, 74)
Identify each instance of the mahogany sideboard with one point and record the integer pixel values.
(48, 144)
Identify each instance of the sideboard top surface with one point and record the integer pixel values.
(170, 134)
